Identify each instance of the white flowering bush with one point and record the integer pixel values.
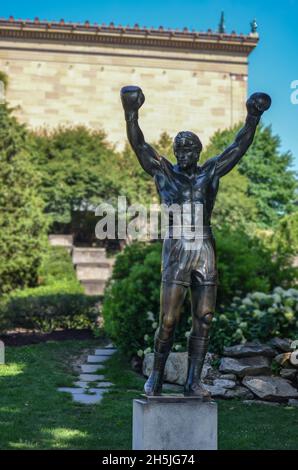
(257, 316)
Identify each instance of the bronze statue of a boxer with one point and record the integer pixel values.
(187, 183)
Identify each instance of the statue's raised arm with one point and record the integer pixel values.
(132, 99)
(256, 105)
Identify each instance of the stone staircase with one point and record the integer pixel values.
(93, 268)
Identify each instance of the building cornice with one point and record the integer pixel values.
(151, 38)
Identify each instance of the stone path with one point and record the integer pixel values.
(91, 386)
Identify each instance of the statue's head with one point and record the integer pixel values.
(187, 148)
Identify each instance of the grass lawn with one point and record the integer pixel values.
(33, 415)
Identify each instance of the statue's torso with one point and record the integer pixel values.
(175, 187)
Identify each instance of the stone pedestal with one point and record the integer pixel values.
(174, 423)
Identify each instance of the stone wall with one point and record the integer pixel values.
(62, 83)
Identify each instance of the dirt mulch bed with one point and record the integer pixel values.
(22, 337)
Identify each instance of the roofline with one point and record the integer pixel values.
(136, 36)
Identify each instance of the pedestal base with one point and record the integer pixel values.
(174, 423)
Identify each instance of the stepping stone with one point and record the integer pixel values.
(71, 390)
(91, 377)
(86, 399)
(102, 385)
(96, 390)
(87, 368)
(97, 359)
(104, 352)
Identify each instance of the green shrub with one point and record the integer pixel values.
(56, 266)
(47, 308)
(246, 264)
(59, 302)
(22, 222)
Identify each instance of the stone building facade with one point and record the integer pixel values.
(64, 74)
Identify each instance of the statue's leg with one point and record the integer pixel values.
(203, 299)
(171, 299)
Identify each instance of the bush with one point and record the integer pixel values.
(73, 163)
(257, 316)
(246, 264)
(47, 308)
(56, 266)
(59, 302)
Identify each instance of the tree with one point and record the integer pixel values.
(22, 223)
(73, 165)
(271, 182)
(81, 170)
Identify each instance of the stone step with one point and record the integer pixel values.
(88, 271)
(70, 389)
(105, 352)
(93, 286)
(97, 359)
(90, 368)
(61, 240)
(88, 255)
(99, 264)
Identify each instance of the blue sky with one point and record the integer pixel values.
(273, 64)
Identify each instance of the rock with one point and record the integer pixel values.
(228, 377)
(239, 392)
(294, 358)
(257, 365)
(249, 350)
(218, 391)
(293, 402)
(281, 344)
(282, 358)
(289, 374)
(176, 367)
(212, 374)
(270, 388)
(225, 383)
